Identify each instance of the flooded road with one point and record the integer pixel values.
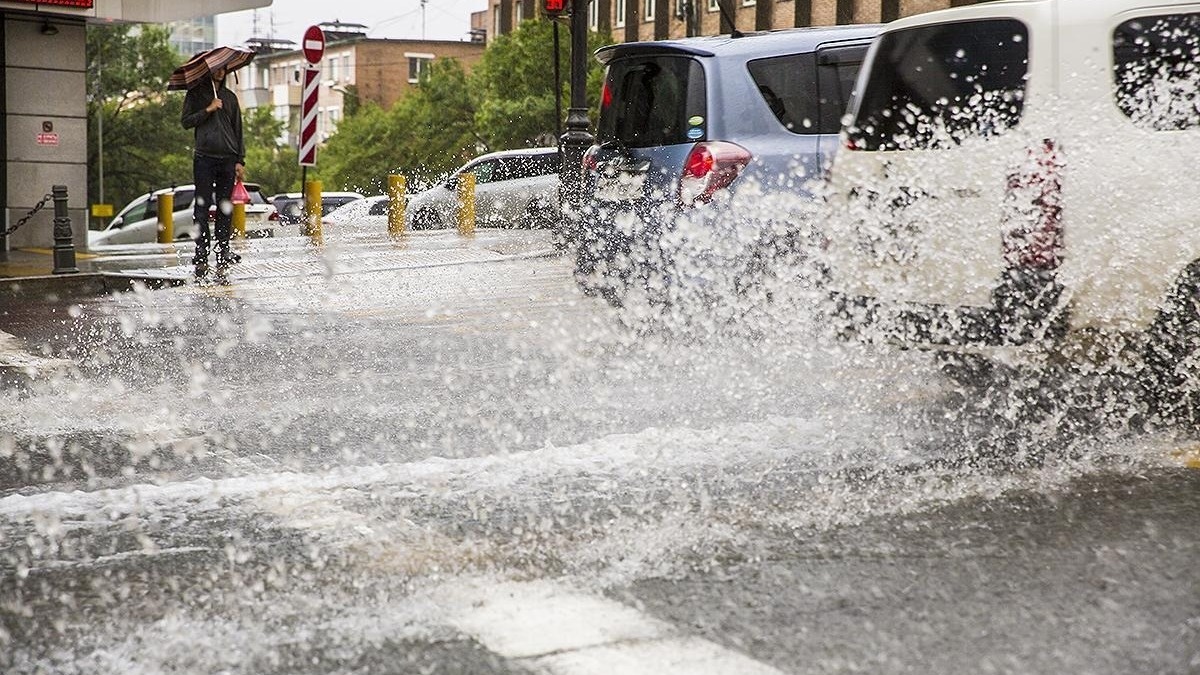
(475, 468)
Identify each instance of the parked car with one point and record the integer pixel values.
(289, 206)
(137, 223)
(1021, 176)
(367, 213)
(684, 126)
(513, 188)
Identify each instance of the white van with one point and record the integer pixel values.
(1024, 175)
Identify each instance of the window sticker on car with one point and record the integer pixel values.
(694, 133)
(695, 120)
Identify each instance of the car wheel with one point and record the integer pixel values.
(538, 216)
(427, 219)
(1171, 354)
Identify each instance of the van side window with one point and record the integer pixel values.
(786, 84)
(935, 86)
(1156, 67)
(837, 69)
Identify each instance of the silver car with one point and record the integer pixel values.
(513, 188)
(137, 223)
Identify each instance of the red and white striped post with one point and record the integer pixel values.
(308, 117)
(313, 46)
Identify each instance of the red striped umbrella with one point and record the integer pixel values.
(199, 66)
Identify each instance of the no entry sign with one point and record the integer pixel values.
(313, 44)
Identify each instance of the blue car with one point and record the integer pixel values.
(695, 138)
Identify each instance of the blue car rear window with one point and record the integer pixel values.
(653, 100)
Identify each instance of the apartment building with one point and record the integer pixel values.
(634, 20)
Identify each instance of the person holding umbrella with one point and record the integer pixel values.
(219, 159)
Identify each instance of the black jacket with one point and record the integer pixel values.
(218, 134)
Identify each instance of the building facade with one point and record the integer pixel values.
(355, 69)
(635, 20)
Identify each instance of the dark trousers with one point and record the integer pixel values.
(214, 185)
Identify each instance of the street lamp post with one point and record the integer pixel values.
(577, 138)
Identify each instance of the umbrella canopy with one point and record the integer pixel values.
(199, 66)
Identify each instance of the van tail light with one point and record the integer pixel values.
(1032, 214)
(710, 166)
(274, 216)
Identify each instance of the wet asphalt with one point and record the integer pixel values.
(274, 476)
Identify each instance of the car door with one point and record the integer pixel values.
(140, 224)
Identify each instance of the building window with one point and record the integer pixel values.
(594, 14)
(519, 15)
(417, 64)
(335, 67)
(747, 3)
(648, 10)
(620, 18)
(714, 5)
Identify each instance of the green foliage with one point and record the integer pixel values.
(425, 134)
(514, 88)
(127, 79)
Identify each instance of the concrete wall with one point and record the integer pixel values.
(44, 87)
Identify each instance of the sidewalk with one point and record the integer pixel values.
(28, 273)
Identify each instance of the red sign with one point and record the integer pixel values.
(308, 118)
(313, 44)
(47, 139)
(554, 6)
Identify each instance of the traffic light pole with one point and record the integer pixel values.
(577, 138)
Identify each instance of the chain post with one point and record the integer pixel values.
(64, 245)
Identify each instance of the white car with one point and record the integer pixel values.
(513, 188)
(367, 213)
(137, 223)
(1019, 179)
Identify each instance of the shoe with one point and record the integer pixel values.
(201, 270)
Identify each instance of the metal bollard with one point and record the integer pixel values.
(64, 245)
(466, 205)
(312, 211)
(166, 218)
(239, 220)
(396, 185)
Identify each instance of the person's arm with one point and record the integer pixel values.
(195, 110)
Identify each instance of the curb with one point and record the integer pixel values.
(54, 287)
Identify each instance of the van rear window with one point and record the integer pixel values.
(935, 86)
(652, 101)
(1156, 65)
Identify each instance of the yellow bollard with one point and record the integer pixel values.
(466, 205)
(166, 218)
(312, 211)
(395, 205)
(239, 221)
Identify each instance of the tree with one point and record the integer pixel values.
(423, 135)
(127, 76)
(513, 85)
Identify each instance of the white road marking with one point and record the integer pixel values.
(568, 632)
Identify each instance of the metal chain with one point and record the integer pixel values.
(29, 215)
